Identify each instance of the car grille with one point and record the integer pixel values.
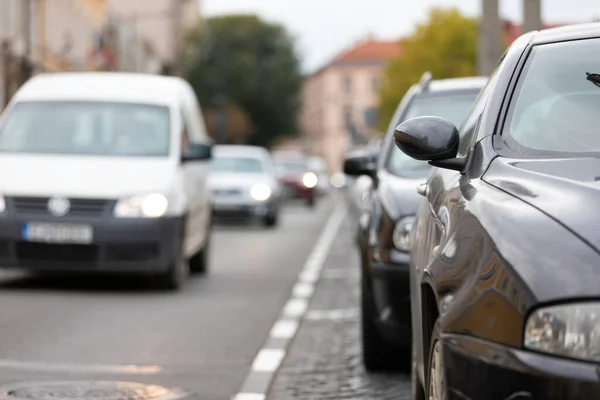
(50, 252)
(79, 207)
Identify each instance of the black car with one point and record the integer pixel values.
(388, 217)
(505, 263)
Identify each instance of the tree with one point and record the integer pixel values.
(445, 45)
(241, 61)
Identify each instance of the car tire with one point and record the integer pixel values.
(417, 392)
(436, 375)
(176, 276)
(200, 261)
(378, 354)
(271, 220)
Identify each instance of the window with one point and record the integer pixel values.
(453, 106)
(94, 128)
(347, 84)
(555, 108)
(236, 164)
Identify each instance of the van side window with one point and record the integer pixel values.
(185, 133)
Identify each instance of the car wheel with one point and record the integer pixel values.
(270, 220)
(378, 354)
(200, 261)
(436, 373)
(176, 275)
(310, 201)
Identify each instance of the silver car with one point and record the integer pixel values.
(243, 183)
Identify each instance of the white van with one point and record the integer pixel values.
(105, 172)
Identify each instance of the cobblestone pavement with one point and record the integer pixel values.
(324, 361)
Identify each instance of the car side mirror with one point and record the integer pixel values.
(197, 151)
(359, 163)
(430, 139)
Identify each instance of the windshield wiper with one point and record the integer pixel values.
(594, 78)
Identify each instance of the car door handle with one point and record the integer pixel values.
(423, 189)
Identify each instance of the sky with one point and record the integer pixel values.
(323, 28)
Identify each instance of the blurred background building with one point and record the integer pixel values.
(90, 35)
(339, 101)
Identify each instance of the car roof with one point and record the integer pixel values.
(566, 33)
(235, 150)
(455, 84)
(103, 86)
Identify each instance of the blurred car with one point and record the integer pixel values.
(386, 223)
(105, 172)
(505, 259)
(298, 180)
(319, 167)
(244, 184)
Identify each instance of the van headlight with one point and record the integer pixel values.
(152, 205)
(401, 234)
(260, 192)
(571, 330)
(2, 204)
(310, 180)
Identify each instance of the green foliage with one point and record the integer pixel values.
(245, 61)
(445, 45)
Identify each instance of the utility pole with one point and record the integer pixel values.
(532, 15)
(488, 48)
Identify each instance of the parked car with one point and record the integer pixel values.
(383, 229)
(296, 177)
(505, 256)
(105, 172)
(244, 184)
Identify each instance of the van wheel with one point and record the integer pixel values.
(271, 220)
(199, 261)
(176, 276)
(378, 355)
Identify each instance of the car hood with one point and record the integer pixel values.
(399, 195)
(566, 190)
(82, 176)
(238, 181)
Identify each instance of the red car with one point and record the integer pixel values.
(298, 180)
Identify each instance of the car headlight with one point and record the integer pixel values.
(310, 180)
(401, 234)
(2, 204)
(571, 330)
(260, 192)
(152, 205)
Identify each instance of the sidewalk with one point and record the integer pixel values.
(324, 361)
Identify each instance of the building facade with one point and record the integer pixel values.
(339, 101)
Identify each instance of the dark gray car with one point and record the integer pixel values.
(384, 227)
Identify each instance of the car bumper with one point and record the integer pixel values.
(299, 191)
(118, 245)
(478, 369)
(390, 286)
(243, 209)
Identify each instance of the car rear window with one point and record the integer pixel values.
(556, 107)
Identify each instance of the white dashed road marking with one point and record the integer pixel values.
(269, 359)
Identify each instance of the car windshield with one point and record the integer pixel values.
(230, 164)
(453, 106)
(557, 102)
(87, 128)
(290, 166)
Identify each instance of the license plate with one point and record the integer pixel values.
(57, 233)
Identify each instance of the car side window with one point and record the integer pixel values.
(185, 134)
(470, 127)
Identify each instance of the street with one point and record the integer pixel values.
(202, 340)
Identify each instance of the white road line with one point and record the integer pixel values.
(82, 368)
(303, 290)
(284, 329)
(295, 308)
(268, 360)
(332, 315)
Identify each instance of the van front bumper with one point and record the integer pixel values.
(118, 245)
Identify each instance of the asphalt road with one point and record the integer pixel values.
(202, 339)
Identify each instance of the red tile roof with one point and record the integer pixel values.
(370, 50)
(513, 30)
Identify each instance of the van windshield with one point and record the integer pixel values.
(86, 128)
